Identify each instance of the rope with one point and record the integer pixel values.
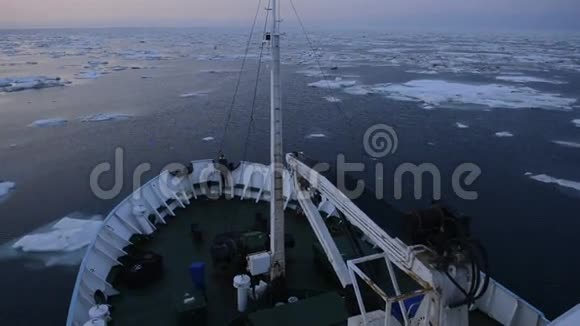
(251, 124)
(229, 114)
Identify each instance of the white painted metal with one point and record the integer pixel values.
(242, 284)
(406, 258)
(401, 255)
(121, 224)
(321, 231)
(259, 263)
(278, 268)
(570, 318)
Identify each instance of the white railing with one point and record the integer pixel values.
(399, 298)
(251, 181)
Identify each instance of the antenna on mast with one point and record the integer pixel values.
(277, 229)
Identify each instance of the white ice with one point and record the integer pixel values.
(89, 75)
(332, 99)
(560, 182)
(58, 243)
(56, 122)
(196, 93)
(566, 143)
(220, 71)
(15, 84)
(423, 72)
(319, 135)
(208, 139)
(440, 92)
(99, 117)
(529, 79)
(359, 90)
(68, 234)
(333, 84)
(461, 125)
(576, 122)
(5, 188)
(311, 72)
(503, 134)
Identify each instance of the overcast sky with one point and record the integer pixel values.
(522, 14)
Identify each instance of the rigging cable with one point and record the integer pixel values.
(229, 114)
(251, 124)
(319, 66)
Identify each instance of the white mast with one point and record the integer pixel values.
(278, 267)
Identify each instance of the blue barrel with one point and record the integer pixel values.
(197, 273)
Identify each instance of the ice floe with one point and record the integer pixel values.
(503, 134)
(566, 143)
(99, 117)
(311, 72)
(461, 125)
(44, 123)
(576, 122)
(208, 139)
(15, 84)
(59, 243)
(332, 99)
(423, 72)
(440, 92)
(333, 84)
(529, 79)
(560, 182)
(220, 71)
(196, 93)
(5, 188)
(89, 74)
(316, 135)
(359, 90)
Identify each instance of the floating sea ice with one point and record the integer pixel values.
(311, 73)
(566, 143)
(56, 122)
(220, 71)
(333, 84)
(560, 182)
(15, 84)
(315, 136)
(208, 139)
(89, 75)
(121, 68)
(332, 99)
(502, 134)
(576, 122)
(60, 243)
(423, 72)
(439, 92)
(196, 93)
(461, 125)
(358, 90)
(143, 55)
(106, 117)
(5, 188)
(68, 234)
(529, 79)
(97, 63)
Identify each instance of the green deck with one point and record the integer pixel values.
(158, 303)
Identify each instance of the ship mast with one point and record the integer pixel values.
(278, 261)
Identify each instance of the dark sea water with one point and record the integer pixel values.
(528, 227)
